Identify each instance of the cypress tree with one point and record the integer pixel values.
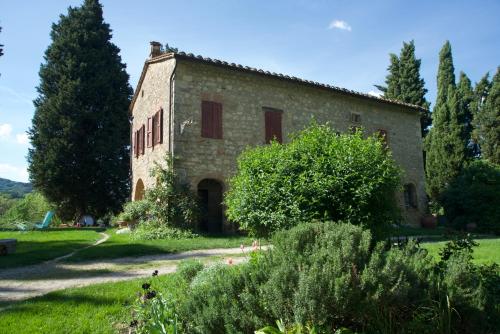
(465, 96)
(1, 45)
(444, 145)
(405, 84)
(80, 131)
(489, 122)
(481, 91)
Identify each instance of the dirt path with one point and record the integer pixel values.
(30, 281)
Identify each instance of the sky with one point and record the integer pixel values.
(344, 43)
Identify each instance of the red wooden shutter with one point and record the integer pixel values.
(142, 138)
(217, 120)
(134, 145)
(273, 126)
(159, 127)
(206, 119)
(149, 133)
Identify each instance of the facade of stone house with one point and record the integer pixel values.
(204, 112)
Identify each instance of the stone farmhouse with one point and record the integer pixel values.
(204, 112)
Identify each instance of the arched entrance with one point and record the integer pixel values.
(139, 190)
(210, 194)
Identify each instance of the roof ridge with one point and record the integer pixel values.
(215, 61)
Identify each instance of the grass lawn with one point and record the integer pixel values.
(121, 245)
(102, 308)
(38, 246)
(487, 252)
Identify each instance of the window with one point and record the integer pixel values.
(139, 141)
(211, 120)
(355, 118)
(158, 127)
(410, 195)
(149, 132)
(272, 119)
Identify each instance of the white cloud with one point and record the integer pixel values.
(374, 93)
(5, 130)
(22, 138)
(339, 24)
(15, 173)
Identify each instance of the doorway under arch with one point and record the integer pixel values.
(210, 194)
(139, 190)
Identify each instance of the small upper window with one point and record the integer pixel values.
(410, 195)
(272, 119)
(355, 118)
(382, 134)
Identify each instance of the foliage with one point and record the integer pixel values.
(445, 147)
(489, 122)
(154, 312)
(295, 329)
(465, 96)
(333, 277)
(474, 197)
(481, 91)
(80, 132)
(172, 202)
(14, 189)
(460, 243)
(135, 211)
(6, 202)
(405, 84)
(321, 175)
(1, 45)
(154, 229)
(188, 269)
(31, 209)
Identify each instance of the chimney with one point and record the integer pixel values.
(155, 49)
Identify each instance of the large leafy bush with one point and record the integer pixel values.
(474, 197)
(30, 209)
(319, 175)
(332, 276)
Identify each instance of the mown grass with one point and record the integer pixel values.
(102, 308)
(487, 252)
(39, 246)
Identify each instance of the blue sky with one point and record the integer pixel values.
(345, 43)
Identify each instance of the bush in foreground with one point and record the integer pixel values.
(331, 276)
(319, 175)
(474, 197)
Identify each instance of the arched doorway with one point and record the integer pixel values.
(210, 194)
(139, 190)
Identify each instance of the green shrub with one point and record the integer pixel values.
(154, 229)
(30, 209)
(172, 201)
(332, 276)
(188, 269)
(320, 175)
(136, 211)
(474, 197)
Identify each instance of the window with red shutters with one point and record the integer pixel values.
(211, 119)
(149, 132)
(142, 132)
(158, 127)
(272, 119)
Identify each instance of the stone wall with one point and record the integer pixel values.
(243, 95)
(153, 94)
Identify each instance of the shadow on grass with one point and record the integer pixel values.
(54, 272)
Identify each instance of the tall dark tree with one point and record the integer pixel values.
(465, 113)
(80, 130)
(405, 84)
(444, 145)
(489, 122)
(481, 91)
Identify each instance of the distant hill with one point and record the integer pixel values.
(13, 188)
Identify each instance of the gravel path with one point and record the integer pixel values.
(36, 280)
